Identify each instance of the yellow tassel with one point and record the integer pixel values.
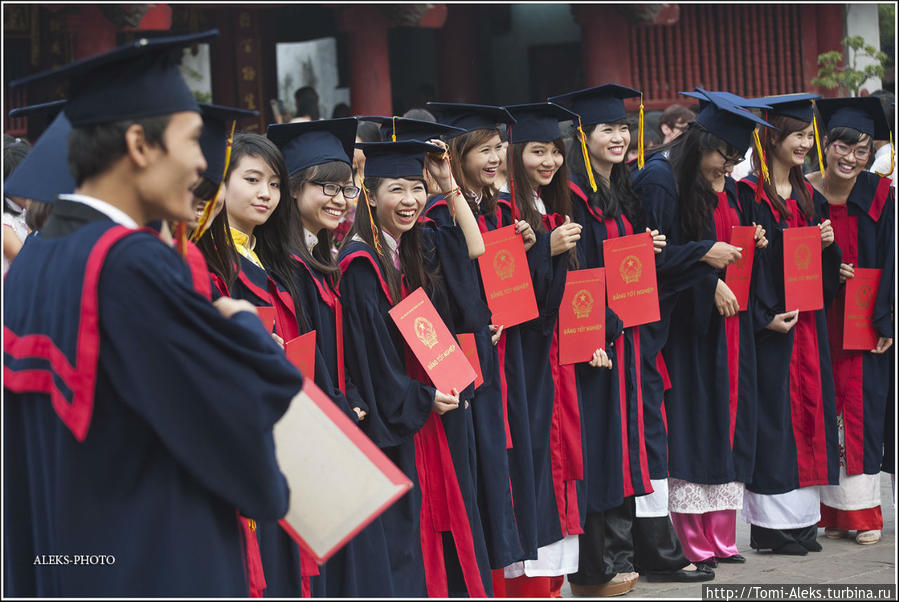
(204, 221)
(892, 159)
(371, 220)
(818, 144)
(641, 160)
(758, 147)
(586, 154)
(393, 135)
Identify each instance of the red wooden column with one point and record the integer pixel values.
(366, 29)
(607, 58)
(458, 67)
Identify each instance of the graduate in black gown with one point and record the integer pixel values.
(710, 351)
(505, 470)
(685, 266)
(861, 208)
(615, 463)
(433, 549)
(320, 184)
(538, 190)
(129, 414)
(797, 447)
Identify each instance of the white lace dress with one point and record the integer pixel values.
(696, 498)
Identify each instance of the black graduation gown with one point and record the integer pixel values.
(361, 567)
(548, 275)
(149, 451)
(400, 418)
(615, 461)
(281, 555)
(678, 268)
(864, 229)
(493, 481)
(514, 391)
(797, 443)
(711, 404)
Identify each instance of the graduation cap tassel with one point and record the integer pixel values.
(818, 144)
(641, 160)
(181, 238)
(763, 167)
(393, 134)
(204, 221)
(586, 154)
(892, 159)
(371, 220)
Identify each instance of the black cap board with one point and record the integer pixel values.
(308, 143)
(469, 117)
(599, 104)
(396, 159)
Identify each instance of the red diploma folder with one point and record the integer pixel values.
(431, 342)
(470, 349)
(582, 316)
(267, 315)
(861, 292)
(507, 278)
(803, 288)
(739, 274)
(301, 353)
(339, 480)
(631, 278)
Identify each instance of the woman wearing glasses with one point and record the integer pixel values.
(706, 342)
(320, 182)
(861, 206)
(797, 432)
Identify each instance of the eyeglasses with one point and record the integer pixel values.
(730, 161)
(861, 152)
(331, 189)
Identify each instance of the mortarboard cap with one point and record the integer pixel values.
(44, 172)
(599, 104)
(537, 122)
(396, 159)
(140, 79)
(734, 99)
(864, 114)
(469, 117)
(798, 106)
(43, 113)
(411, 129)
(308, 143)
(728, 121)
(217, 122)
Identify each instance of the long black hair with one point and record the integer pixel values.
(216, 243)
(695, 196)
(275, 239)
(414, 259)
(619, 196)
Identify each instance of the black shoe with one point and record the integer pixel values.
(735, 559)
(811, 545)
(711, 563)
(702, 573)
(791, 549)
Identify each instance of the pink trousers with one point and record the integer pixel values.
(708, 535)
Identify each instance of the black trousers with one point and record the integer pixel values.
(761, 538)
(615, 541)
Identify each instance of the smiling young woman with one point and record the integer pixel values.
(390, 254)
(797, 430)
(861, 206)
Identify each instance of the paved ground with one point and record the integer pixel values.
(841, 562)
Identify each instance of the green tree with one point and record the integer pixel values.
(833, 74)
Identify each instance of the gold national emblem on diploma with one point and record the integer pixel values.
(630, 269)
(864, 296)
(425, 332)
(504, 264)
(582, 304)
(801, 256)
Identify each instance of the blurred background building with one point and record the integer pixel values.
(388, 58)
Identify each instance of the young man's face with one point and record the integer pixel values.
(165, 186)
